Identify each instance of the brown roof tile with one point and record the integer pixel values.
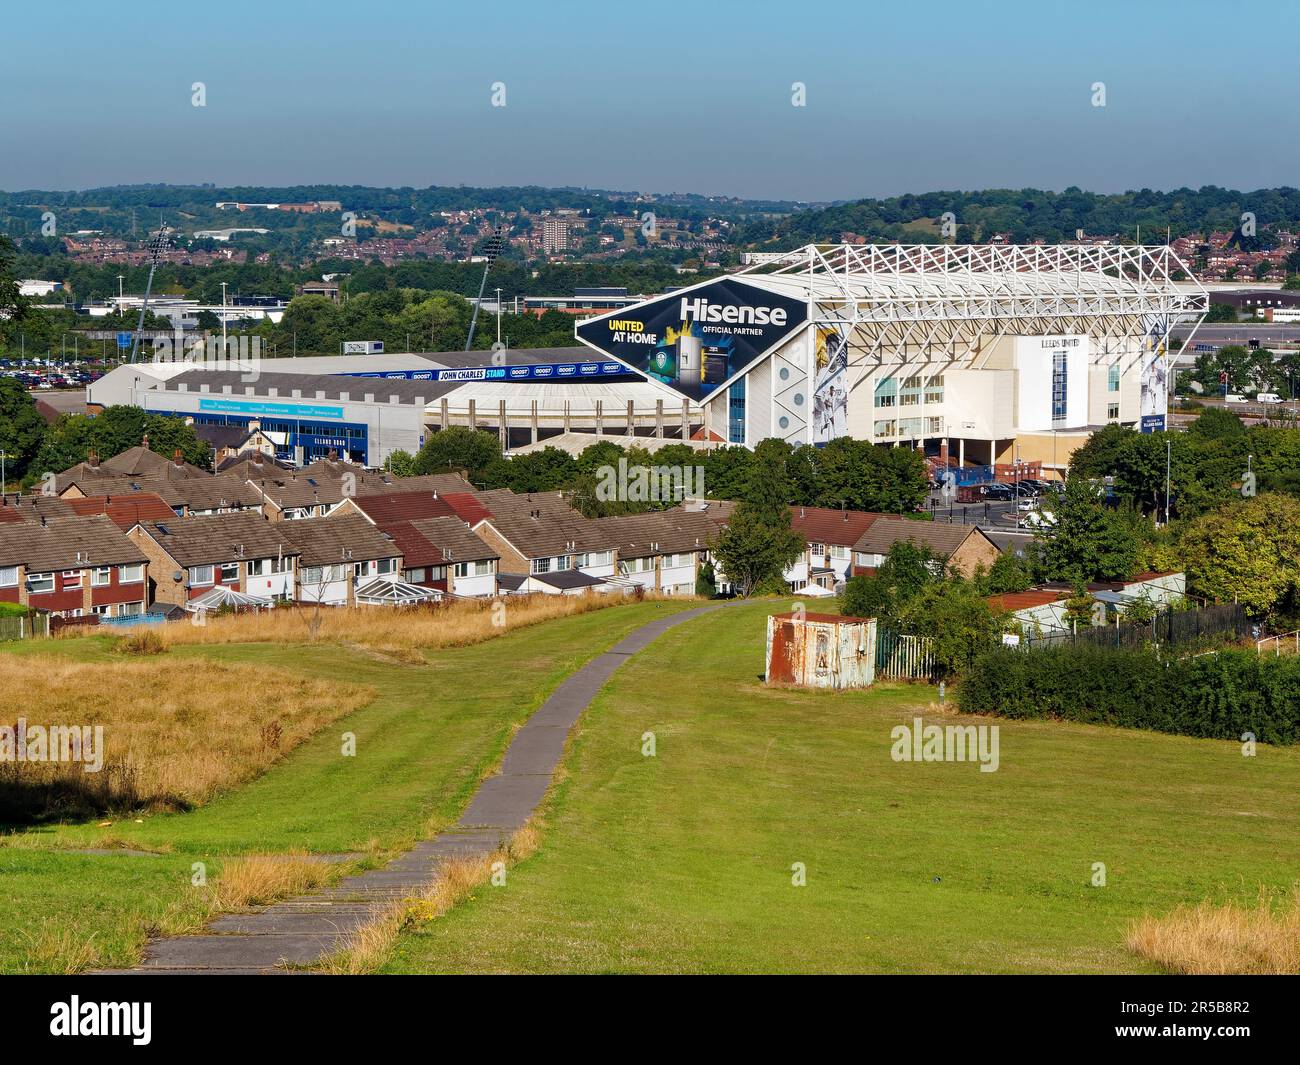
(66, 543)
(215, 538)
(338, 538)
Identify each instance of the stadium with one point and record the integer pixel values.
(977, 354)
(990, 353)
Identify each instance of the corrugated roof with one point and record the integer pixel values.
(1013, 601)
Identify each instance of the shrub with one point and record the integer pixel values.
(142, 642)
(1219, 696)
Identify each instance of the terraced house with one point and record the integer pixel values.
(338, 556)
(242, 552)
(73, 567)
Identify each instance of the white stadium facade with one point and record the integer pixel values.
(983, 353)
(990, 353)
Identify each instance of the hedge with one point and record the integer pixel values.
(1216, 696)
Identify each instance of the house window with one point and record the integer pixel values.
(200, 576)
(415, 576)
(388, 565)
(8, 576)
(132, 574)
(40, 582)
(102, 610)
(259, 567)
(540, 565)
(483, 567)
(71, 579)
(840, 552)
(462, 568)
(101, 576)
(437, 573)
(229, 572)
(127, 610)
(817, 549)
(593, 558)
(312, 575)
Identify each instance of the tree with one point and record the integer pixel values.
(21, 427)
(458, 448)
(758, 543)
(958, 621)
(72, 437)
(1088, 542)
(706, 582)
(12, 304)
(1246, 552)
(400, 463)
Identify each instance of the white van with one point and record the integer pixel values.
(1268, 397)
(1233, 397)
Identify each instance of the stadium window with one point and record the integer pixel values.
(736, 412)
(1112, 378)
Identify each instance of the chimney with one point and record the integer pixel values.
(333, 456)
(178, 458)
(145, 442)
(92, 460)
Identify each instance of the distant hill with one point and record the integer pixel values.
(1030, 214)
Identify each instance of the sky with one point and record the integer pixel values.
(650, 96)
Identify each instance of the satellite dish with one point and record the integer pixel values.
(177, 575)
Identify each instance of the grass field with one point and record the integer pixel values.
(429, 734)
(682, 862)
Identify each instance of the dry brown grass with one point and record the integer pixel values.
(175, 732)
(370, 945)
(405, 633)
(1210, 940)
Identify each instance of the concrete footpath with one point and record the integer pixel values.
(305, 929)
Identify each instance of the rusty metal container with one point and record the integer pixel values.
(821, 650)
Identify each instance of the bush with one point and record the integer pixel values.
(142, 642)
(1218, 696)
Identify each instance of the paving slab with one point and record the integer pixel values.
(239, 952)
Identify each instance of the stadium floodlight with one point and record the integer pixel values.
(157, 247)
(491, 250)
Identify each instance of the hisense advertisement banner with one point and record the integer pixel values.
(697, 339)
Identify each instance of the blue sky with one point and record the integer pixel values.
(655, 96)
